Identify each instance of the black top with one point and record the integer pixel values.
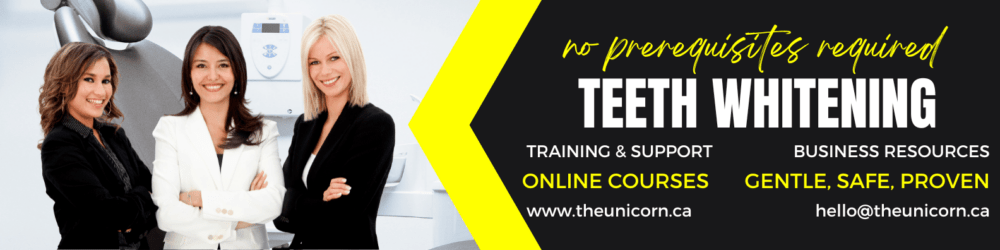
(359, 147)
(220, 161)
(97, 189)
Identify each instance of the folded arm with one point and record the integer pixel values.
(258, 206)
(369, 159)
(173, 215)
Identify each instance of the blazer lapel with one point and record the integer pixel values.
(204, 148)
(230, 160)
(337, 133)
(310, 136)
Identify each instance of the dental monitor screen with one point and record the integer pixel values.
(270, 28)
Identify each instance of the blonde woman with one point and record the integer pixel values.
(341, 151)
(216, 175)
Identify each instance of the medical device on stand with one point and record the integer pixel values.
(271, 44)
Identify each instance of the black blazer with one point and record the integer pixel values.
(91, 204)
(359, 148)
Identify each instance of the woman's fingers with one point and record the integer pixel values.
(338, 180)
(329, 195)
(339, 186)
(259, 181)
(256, 181)
(335, 191)
(339, 190)
(192, 198)
(195, 198)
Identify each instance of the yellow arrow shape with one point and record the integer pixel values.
(441, 124)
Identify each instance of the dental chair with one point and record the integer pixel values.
(149, 76)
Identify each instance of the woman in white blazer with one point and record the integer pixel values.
(216, 173)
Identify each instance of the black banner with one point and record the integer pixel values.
(768, 158)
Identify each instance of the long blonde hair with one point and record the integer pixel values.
(341, 34)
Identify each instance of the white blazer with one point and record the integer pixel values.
(186, 161)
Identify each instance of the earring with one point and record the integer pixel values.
(236, 92)
(190, 93)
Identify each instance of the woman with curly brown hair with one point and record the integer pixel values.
(100, 186)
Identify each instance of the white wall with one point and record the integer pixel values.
(405, 43)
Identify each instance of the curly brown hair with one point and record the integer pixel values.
(62, 75)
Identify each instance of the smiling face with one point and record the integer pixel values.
(327, 70)
(93, 93)
(211, 75)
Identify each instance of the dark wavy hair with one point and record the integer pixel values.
(62, 77)
(247, 129)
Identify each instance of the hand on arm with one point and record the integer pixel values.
(259, 201)
(192, 198)
(366, 160)
(259, 181)
(173, 214)
(338, 187)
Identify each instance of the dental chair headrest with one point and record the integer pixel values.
(125, 21)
